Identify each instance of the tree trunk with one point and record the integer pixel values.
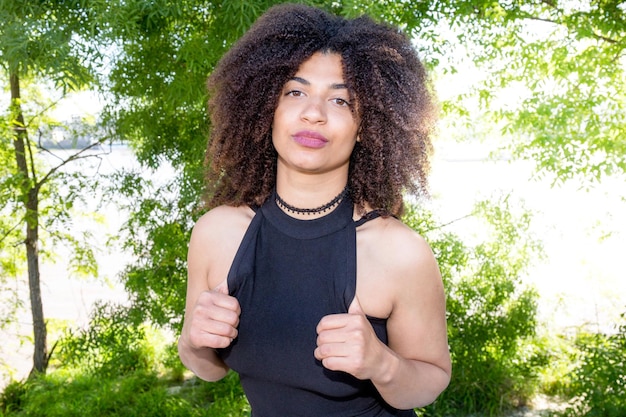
(30, 191)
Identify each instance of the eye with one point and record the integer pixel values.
(341, 102)
(294, 93)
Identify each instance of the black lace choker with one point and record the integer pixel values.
(312, 211)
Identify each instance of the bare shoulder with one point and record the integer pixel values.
(393, 243)
(215, 239)
(395, 266)
(223, 221)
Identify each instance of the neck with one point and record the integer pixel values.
(309, 190)
(312, 211)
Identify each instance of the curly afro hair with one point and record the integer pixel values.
(382, 71)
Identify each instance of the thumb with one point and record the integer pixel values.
(355, 307)
(222, 287)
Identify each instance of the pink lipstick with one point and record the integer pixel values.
(310, 139)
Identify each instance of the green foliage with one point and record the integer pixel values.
(137, 394)
(49, 40)
(550, 76)
(64, 194)
(112, 345)
(598, 382)
(12, 398)
(491, 316)
(559, 357)
(156, 234)
(41, 43)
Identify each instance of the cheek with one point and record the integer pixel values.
(280, 114)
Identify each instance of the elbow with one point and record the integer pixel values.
(438, 384)
(202, 362)
(427, 391)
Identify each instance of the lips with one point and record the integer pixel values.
(310, 139)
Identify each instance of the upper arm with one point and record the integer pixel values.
(417, 324)
(214, 241)
(199, 256)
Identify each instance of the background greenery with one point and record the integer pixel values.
(547, 83)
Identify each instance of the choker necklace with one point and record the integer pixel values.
(312, 211)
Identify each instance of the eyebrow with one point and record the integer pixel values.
(335, 86)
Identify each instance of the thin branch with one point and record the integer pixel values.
(75, 157)
(606, 39)
(441, 226)
(11, 230)
(543, 20)
(594, 34)
(44, 110)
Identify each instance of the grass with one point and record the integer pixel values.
(137, 394)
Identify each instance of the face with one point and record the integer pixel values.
(315, 124)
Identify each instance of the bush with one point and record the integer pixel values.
(12, 398)
(598, 383)
(112, 345)
(84, 395)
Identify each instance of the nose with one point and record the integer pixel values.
(313, 110)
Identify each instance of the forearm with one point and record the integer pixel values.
(204, 362)
(407, 384)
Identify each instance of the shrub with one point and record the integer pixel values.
(112, 345)
(12, 398)
(599, 381)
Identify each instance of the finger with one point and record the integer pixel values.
(222, 287)
(228, 316)
(219, 299)
(331, 321)
(340, 357)
(331, 350)
(212, 340)
(211, 333)
(222, 329)
(344, 364)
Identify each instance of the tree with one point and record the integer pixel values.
(553, 81)
(562, 60)
(166, 51)
(44, 42)
(557, 59)
(564, 117)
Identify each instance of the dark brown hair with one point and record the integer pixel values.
(383, 72)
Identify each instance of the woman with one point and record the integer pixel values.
(301, 277)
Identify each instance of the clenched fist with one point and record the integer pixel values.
(347, 342)
(214, 319)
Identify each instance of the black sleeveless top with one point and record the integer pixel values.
(287, 275)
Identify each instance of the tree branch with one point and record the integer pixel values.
(594, 34)
(18, 224)
(75, 157)
(441, 226)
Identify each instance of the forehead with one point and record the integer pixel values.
(321, 66)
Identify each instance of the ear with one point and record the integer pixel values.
(358, 133)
